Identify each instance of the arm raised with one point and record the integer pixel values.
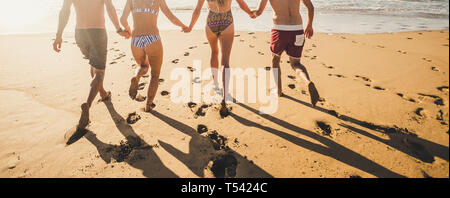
(125, 15)
(165, 9)
(245, 7)
(262, 7)
(64, 16)
(195, 15)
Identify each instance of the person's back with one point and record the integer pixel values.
(219, 6)
(90, 13)
(286, 12)
(145, 17)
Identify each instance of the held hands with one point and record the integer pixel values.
(126, 33)
(186, 29)
(253, 14)
(309, 32)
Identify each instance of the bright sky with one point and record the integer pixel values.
(20, 13)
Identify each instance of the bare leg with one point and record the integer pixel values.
(142, 61)
(95, 87)
(277, 72)
(301, 71)
(226, 44)
(155, 55)
(213, 42)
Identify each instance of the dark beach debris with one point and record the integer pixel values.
(202, 129)
(326, 129)
(219, 142)
(133, 118)
(165, 93)
(224, 166)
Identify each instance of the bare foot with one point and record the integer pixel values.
(149, 107)
(84, 119)
(133, 88)
(313, 93)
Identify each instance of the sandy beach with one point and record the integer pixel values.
(384, 113)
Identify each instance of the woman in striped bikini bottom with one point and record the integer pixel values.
(146, 44)
(144, 41)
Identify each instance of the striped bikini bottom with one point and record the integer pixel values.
(144, 41)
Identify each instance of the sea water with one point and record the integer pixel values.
(331, 16)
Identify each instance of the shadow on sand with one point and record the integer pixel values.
(331, 148)
(409, 144)
(134, 151)
(226, 163)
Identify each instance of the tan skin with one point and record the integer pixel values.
(90, 14)
(287, 12)
(152, 55)
(226, 38)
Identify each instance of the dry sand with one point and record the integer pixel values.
(386, 102)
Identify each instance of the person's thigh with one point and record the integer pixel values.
(155, 54)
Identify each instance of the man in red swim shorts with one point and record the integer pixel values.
(288, 35)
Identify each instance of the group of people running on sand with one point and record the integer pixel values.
(288, 34)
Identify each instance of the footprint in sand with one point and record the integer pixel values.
(437, 100)
(291, 77)
(192, 104)
(165, 93)
(268, 68)
(260, 53)
(161, 81)
(200, 111)
(202, 129)
(443, 88)
(363, 78)
(176, 61)
(237, 35)
(434, 69)
(324, 128)
(407, 99)
(186, 54)
(292, 86)
(193, 47)
(251, 46)
(133, 118)
(141, 86)
(251, 33)
(337, 75)
(379, 88)
(140, 98)
(191, 69)
(112, 63)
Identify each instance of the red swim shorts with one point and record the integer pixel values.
(290, 41)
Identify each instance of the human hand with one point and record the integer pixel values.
(186, 29)
(57, 44)
(309, 32)
(253, 14)
(125, 34)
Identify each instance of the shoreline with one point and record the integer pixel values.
(237, 32)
